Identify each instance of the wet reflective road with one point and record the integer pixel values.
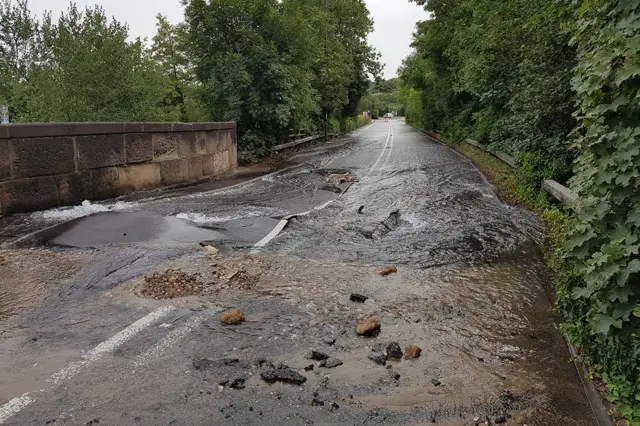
(471, 291)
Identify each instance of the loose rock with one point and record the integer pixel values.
(368, 327)
(309, 367)
(393, 350)
(316, 355)
(387, 271)
(436, 382)
(355, 297)
(333, 362)
(329, 340)
(211, 251)
(412, 352)
(378, 358)
(333, 406)
(237, 384)
(284, 375)
(235, 316)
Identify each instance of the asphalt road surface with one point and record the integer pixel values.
(82, 342)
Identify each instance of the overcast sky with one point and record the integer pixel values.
(394, 21)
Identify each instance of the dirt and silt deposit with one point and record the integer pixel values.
(489, 347)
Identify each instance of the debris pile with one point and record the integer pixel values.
(340, 178)
(170, 284)
(233, 317)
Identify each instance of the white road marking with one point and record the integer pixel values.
(170, 339)
(386, 151)
(382, 154)
(17, 404)
(109, 345)
(14, 406)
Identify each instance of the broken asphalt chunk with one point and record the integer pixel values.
(360, 298)
(284, 375)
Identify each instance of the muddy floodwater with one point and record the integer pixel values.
(471, 291)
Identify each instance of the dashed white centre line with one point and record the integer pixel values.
(17, 404)
(14, 406)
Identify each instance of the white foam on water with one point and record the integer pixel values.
(203, 218)
(85, 209)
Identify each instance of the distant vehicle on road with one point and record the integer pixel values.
(388, 115)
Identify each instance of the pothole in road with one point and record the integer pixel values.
(384, 227)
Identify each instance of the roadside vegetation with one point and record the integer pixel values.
(555, 84)
(274, 67)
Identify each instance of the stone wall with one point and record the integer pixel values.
(49, 165)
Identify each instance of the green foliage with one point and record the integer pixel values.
(275, 66)
(84, 68)
(600, 286)
(497, 71)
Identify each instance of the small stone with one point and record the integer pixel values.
(237, 384)
(436, 382)
(360, 298)
(378, 358)
(368, 327)
(333, 362)
(223, 382)
(309, 367)
(329, 340)
(396, 376)
(235, 316)
(500, 420)
(333, 406)
(387, 271)
(283, 375)
(393, 350)
(210, 250)
(316, 355)
(412, 352)
(317, 402)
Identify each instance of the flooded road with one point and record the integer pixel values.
(471, 291)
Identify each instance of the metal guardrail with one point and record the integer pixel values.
(558, 191)
(299, 142)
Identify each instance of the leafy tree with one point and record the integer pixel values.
(599, 295)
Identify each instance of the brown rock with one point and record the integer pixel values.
(233, 317)
(412, 352)
(210, 250)
(387, 271)
(368, 327)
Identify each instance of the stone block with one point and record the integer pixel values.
(195, 168)
(208, 164)
(42, 156)
(157, 127)
(139, 176)
(174, 171)
(95, 128)
(233, 157)
(105, 183)
(73, 188)
(188, 146)
(99, 151)
(139, 147)
(182, 127)
(201, 142)
(222, 166)
(133, 127)
(26, 195)
(42, 130)
(214, 142)
(166, 146)
(5, 160)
